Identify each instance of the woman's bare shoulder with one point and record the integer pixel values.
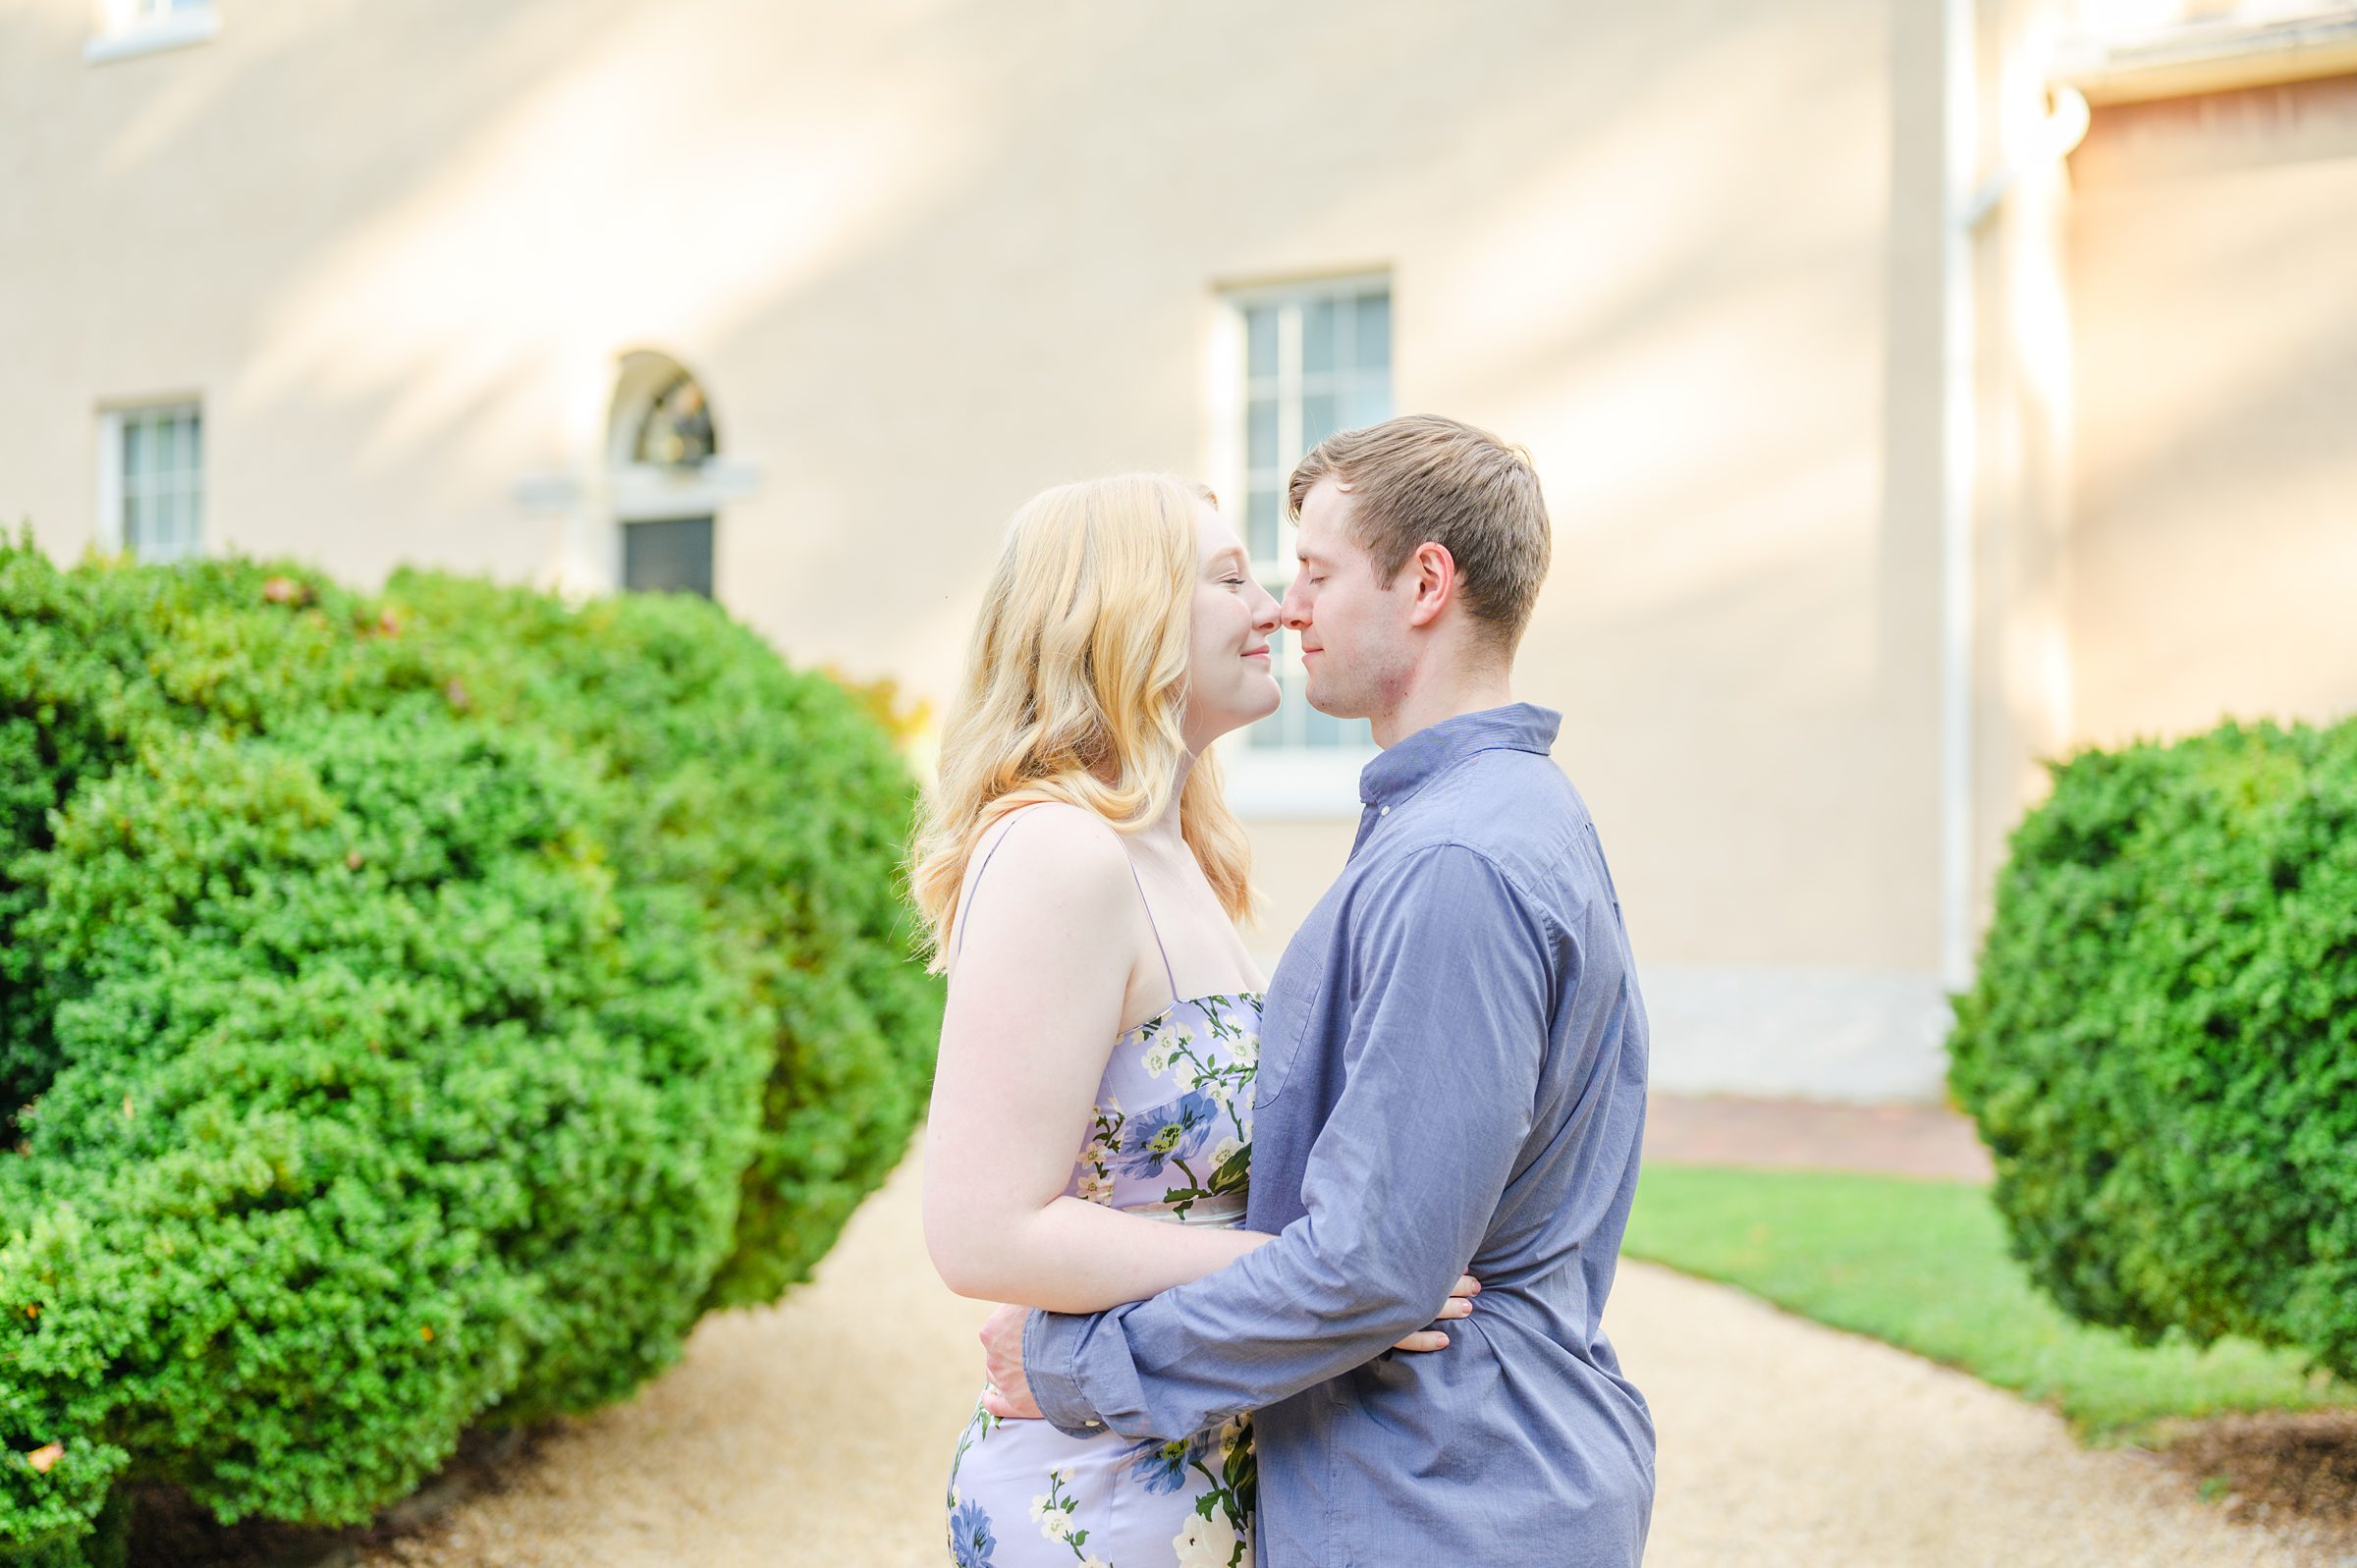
(1051, 852)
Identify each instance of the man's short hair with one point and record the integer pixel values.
(1421, 478)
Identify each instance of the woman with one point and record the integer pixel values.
(1100, 1000)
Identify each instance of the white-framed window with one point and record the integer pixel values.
(1302, 362)
(151, 480)
(129, 27)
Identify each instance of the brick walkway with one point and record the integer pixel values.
(1925, 1141)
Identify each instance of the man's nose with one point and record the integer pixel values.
(1294, 611)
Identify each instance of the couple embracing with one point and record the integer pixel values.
(1324, 1281)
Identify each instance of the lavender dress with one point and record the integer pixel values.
(1171, 1139)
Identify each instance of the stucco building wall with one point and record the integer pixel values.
(2214, 548)
(928, 257)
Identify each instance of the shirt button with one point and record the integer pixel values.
(1092, 1422)
(1383, 811)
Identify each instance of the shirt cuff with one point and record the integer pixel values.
(1049, 1340)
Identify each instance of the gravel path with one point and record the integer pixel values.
(816, 1435)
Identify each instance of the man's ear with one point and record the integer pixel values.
(1433, 571)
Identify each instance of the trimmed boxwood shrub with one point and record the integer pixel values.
(778, 799)
(2161, 1046)
(418, 1009)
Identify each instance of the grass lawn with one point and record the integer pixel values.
(1923, 1266)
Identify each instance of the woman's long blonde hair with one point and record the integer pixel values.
(1075, 688)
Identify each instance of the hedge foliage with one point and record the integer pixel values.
(2161, 1047)
(416, 1011)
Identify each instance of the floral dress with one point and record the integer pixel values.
(1171, 1138)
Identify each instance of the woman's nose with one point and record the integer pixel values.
(1268, 613)
(1288, 616)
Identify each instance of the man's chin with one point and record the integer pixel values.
(1325, 705)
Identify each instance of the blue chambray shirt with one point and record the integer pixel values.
(1451, 1080)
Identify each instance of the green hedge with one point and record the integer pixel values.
(416, 1010)
(2161, 1046)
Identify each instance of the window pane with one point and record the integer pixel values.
(1374, 323)
(1321, 416)
(1261, 518)
(1260, 338)
(1320, 729)
(1317, 336)
(162, 494)
(670, 555)
(1280, 728)
(1260, 434)
(1369, 402)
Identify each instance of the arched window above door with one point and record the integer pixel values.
(663, 478)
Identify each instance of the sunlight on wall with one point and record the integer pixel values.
(1689, 345)
(554, 238)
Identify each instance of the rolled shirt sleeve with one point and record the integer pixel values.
(1454, 979)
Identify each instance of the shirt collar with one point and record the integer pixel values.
(1407, 766)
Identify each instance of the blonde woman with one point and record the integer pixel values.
(1091, 1129)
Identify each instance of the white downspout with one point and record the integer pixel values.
(1969, 205)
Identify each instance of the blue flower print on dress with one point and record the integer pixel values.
(1176, 1131)
(1170, 1135)
(970, 1539)
(1160, 1466)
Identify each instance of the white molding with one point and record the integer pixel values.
(549, 491)
(2212, 56)
(1307, 285)
(1273, 783)
(645, 493)
(1814, 1032)
(174, 30)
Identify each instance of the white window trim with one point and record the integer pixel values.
(1301, 783)
(109, 532)
(176, 28)
(110, 481)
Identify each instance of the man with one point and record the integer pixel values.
(1451, 1080)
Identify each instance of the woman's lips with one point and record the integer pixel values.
(1256, 653)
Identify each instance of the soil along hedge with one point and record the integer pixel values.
(2161, 1046)
(416, 1011)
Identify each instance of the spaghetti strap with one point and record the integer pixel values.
(1004, 834)
(1167, 974)
(958, 945)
